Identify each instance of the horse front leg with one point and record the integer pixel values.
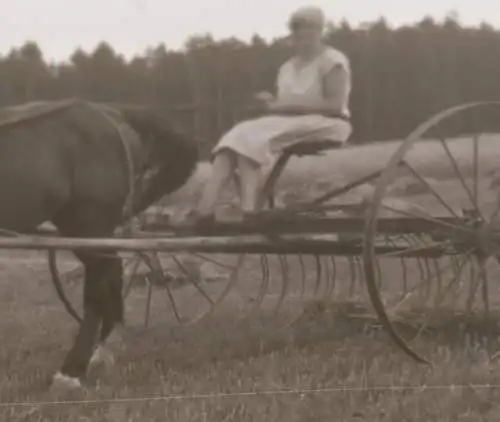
(95, 298)
(113, 312)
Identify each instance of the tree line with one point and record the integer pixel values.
(400, 75)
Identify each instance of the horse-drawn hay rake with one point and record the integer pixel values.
(437, 246)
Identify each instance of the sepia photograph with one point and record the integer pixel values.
(249, 211)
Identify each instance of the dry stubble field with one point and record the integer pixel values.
(328, 366)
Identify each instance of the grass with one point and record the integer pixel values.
(332, 364)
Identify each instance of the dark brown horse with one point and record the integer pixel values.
(68, 164)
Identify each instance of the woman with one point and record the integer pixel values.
(312, 102)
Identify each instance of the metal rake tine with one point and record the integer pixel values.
(399, 304)
(327, 281)
(233, 279)
(264, 285)
(352, 271)
(422, 265)
(302, 276)
(485, 295)
(359, 267)
(454, 260)
(423, 273)
(148, 302)
(420, 240)
(459, 268)
(474, 286)
(318, 274)
(334, 276)
(457, 275)
(284, 280)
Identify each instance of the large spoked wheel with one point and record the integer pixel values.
(444, 173)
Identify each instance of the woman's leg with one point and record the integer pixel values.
(250, 183)
(222, 168)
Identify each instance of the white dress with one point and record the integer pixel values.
(263, 139)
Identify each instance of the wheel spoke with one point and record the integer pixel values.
(431, 189)
(427, 217)
(460, 176)
(154, 264)
(211, 260)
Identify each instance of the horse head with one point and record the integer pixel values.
(169, 157)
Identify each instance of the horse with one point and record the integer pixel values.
(87, 167)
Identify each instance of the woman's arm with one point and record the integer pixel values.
(335, 91)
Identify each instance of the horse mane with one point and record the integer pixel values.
(174, 157)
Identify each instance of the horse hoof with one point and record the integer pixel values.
(101, 356)
(61, 383)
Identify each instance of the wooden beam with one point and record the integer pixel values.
(255, 244)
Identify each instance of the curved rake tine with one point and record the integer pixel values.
(421, 267)
(474, 285)
(443, 295)
(419, 240)
(404, 275)
(359, 268)
(439, 276)
(327, 281)
(318, 274)
(436, 245)
(148, 302)
(233, 279)
(447, 288)
(459, 269)
(486, 300)
(302, 276)
(425, 281)
(154, 264)
(456, 264)
(352, 282)
(334, 276)
(392, 242)
(264, 285)
(284, 281)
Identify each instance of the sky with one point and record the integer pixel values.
(130, 26)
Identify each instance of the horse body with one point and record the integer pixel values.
(69, 166)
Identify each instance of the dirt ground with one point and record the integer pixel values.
(310, 362)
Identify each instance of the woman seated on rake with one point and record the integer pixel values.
(312, 99)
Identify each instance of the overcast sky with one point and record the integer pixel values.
(59, 26)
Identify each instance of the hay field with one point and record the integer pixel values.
(328, 366)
